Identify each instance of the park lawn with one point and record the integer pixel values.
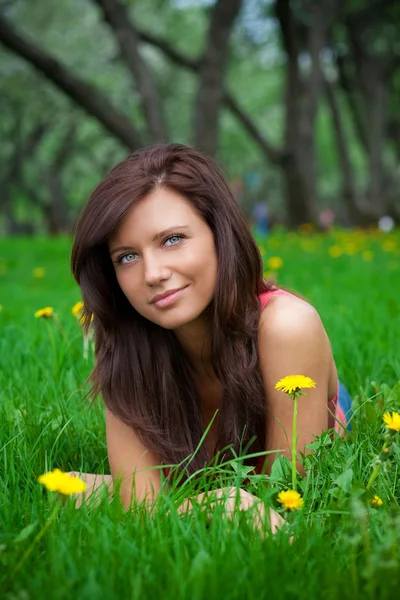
(342, 546)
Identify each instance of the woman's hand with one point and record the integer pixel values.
(244, 501)
(93, 481)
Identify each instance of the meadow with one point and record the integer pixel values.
(339, 545)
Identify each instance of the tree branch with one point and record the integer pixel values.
(84, 94)
(274, 154)
(116, 15)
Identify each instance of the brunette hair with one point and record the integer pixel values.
(141, 370)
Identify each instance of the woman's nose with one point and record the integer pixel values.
(154, 270)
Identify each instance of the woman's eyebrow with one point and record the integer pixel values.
(156, 237)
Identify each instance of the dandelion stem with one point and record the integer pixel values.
(37, 538)
(53, 347)
(60, 327)
(294, 440)
(376, 469)
(374, 475)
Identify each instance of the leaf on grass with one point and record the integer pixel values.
(200, 564)
(344, 481)
(371, 413)
(281, 469)
(242, 470)
(393, 398)
(25, 532)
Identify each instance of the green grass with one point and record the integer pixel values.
(342, 548)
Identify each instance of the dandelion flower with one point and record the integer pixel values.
(389, 246)
(292, 383)
(77, 309)
(335, 251)
(45, 313)
(275, 262)
(376, 501)
(392, 421)
(350, 248)
(291, 500)
(39, 272)
(57, 481)
(1, 308)
(367, 255)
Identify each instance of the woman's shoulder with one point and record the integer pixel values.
(291, 332)
(287, 315)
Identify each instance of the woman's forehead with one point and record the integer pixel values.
(154, 215)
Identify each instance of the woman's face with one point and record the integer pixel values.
(164, 244)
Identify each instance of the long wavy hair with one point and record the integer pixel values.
(141, 370)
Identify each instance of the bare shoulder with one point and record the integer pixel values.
(289, 316)
(292, 339)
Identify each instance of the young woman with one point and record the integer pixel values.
(185, 324)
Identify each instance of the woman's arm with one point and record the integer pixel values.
(131, 461)
(293, 341)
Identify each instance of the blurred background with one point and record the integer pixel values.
(297, 99)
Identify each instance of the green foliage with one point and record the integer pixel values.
(75, 34)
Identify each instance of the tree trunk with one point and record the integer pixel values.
(301, 102)
(211, 75)
(56, 214)
(376, 102)
(348, 184)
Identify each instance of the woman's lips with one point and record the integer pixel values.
(169, 299)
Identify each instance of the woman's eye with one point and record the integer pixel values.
(127, 258)
(174, 237)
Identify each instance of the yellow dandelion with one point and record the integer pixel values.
(292, 383)
(350, 248)
(45, 313)
(275, 262)
(367, 255)
(335, 251)
(39, 272)
(389, 246)
(291, 500)
(57, 481)
(376, 501)
(392, 421)
(77, 309)
(1, 307)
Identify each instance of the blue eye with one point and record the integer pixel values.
(178, 237)
(126, 256)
